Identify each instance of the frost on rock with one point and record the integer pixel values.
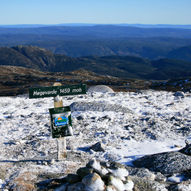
(128, 124)
(117, 183)
(184, 186)
(119, 172)
(98, 106)
(129, 185)
(93, 182)
(94, 164)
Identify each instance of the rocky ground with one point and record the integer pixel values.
(110, 128)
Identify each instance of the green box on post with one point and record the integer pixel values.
(61, 122)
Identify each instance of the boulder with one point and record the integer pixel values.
(97, 106)
(183, 186)
(143, 184)
(73, 178)
(84, 171)
(116, 183)
(179, 94)
(93, 182)
(98, 147)
(142, 173)
(76, 187)
(63, 187)
(187, 149)
(167, 163)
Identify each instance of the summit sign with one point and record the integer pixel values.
(57, 90)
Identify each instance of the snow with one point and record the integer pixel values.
(129, 185)
(93, 182)
(153, 122)
(117, 183)
(176, 178)
(1, 183)
(121, 173)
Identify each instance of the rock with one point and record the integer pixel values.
(79, 118)
(94, 164)
(145, 173)
(183, 186)
(73, 178)
(187, 149)
(143, 184)
(120, 173)
(98, 147)
(100, 88)
(141, 172)
(179, 94)
(48, 184)
(129, 185)
(160, 177)
(115, 165)
(106, 117)
(97, 167)
(76, 187)
(117, 183)
(84, 171)
(61, 188)
(118, 170)
(97, 106)
(167, 163)
(105, 164)
(93, 182)
(110, 188)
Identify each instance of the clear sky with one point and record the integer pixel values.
(95, 11)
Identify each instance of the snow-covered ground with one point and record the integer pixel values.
(129, 125)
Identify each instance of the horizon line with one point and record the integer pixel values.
(70, 23)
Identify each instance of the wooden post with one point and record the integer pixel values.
(61, 142)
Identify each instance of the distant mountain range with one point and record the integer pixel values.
(156, 52)
(99, 31)
(94, 24)
(119, 66)
(79, 40)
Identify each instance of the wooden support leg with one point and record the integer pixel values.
(62, 153)
(61, 142)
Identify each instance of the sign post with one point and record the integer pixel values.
(61, 142)
(60, 116)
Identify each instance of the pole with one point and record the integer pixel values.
(61, 142)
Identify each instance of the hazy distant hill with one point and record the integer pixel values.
(91, 24)
(120, 66)
(101, 31)
(146, 41)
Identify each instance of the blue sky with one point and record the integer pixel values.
(95, 11)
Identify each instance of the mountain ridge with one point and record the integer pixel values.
(118, 66)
